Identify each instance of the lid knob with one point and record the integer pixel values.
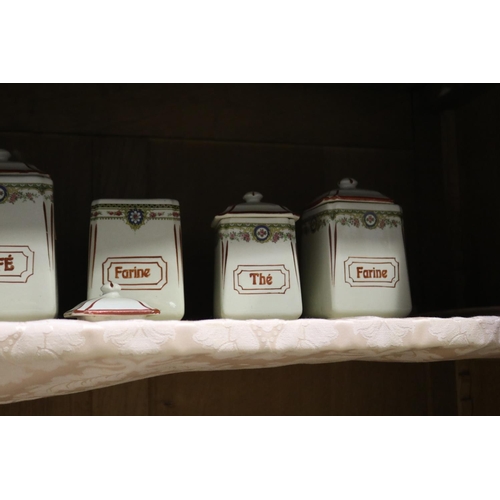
(4, 155)
(110, 288)
(253, 197)
(348, 183)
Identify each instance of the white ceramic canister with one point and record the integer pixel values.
(256, 265)
(28, 284)
(137, 244)
(353, 260)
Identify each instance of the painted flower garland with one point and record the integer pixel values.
(353, 218)
(13, 193)
(135, 216)
(260, 233)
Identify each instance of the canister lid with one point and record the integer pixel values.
(348, 191)
(111, 305)
(253, 206)
(16, 168)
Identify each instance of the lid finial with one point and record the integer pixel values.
(348, 183)
(110, 288)
(252, 197)
(4, 155)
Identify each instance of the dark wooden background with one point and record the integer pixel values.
(433, 148)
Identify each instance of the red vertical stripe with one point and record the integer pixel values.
(335, 254)
(176, 253)
(47, 234)
(225, 259)
(89, 258)
(331, 253)
(52, 232)
(222, 262)
(93, 256)
(180, 253)
(294, 261)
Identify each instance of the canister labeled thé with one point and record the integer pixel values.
(256, 264)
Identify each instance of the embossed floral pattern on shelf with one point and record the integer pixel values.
(54, 357)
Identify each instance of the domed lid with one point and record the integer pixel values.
(348, 191)
(253, 206)
(13, 167)
(111, 305)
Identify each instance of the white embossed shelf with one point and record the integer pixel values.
(55, 357)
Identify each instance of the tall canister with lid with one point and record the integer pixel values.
(28, 284)
(256, 264)
(353, 260)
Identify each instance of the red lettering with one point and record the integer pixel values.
(132, 273)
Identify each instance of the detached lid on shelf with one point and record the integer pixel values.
(348, 191)
(254, 207)
(111, 305)
(17, 168)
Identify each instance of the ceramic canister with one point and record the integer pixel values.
(28, 286)
(137, 245)
(256, 265)
(353, 260)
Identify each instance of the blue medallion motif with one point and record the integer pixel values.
(262, 233)
(370, 219)
(135, 216)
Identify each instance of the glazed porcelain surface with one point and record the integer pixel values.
(28, 286)
(111, 306)
(256, 265)
(137, 245)
(353, 260)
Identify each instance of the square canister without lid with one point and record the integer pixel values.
(138, 245)
(353, 260)
(28, 284)
(256, 264)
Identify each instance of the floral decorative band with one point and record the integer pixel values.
(135, 215)
(261, 233)
(12, 193)
(369, 219)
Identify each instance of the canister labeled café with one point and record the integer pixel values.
(137, 245)
(256, 265)
(28, 286)
(353, 259)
